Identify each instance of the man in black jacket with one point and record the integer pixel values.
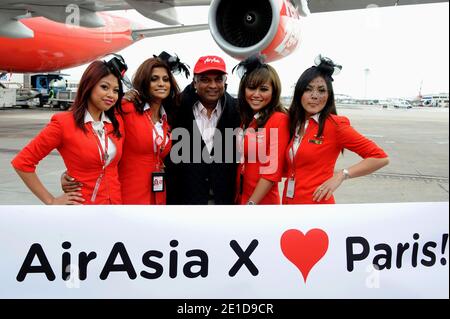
(201, 168)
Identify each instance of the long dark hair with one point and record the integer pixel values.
(297, 114)
(141, 83)
(255, 78)
(96, 71)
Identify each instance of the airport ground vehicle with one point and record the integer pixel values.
(436, 100)
(39, 89)
(384, 103)
(47, 84)
(401, 104)
(7, 96)
(63, 99)
(18, 95)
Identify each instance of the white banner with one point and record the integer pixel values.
(217, 252)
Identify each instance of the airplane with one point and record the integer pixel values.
(58, 34)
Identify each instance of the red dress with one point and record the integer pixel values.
(139, 159)
(316, 157)
(269, 167)
(81, 156)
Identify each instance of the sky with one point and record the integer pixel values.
(385, 52)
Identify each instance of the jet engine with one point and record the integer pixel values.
(246, 27)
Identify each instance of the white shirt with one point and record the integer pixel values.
(298, 139)
(207, 125)
(99, 130)
(241, 137)
(158, 125)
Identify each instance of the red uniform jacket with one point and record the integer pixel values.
(139, 160)
(81, 156)
(316, 157)
(269, 167)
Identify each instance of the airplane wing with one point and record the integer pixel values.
(316, 6)
(83, 12)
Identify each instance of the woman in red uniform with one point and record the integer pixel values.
(318, 136)
(147, 114)
(265, 134)
(147, 127)
(89, 138)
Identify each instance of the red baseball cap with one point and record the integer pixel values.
(210, 63)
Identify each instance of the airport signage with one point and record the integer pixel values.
(241, 252)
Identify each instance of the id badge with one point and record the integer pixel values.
(158, 182)
(290, 188)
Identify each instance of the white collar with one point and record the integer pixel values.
(103, 118)
(202, 109)
(316, 117)
(257, 115)
(162, 111)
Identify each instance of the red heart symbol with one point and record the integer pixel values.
(304, 251)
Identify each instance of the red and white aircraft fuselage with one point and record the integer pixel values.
(57, 46)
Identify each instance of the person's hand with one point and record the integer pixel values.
(72, 198)
(69, 184)
(132, 96)
(327, 189)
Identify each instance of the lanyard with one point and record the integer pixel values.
(293, 149)
(103, 158)
(159, 141)
(291, 157)
(242, 160)
(103, 152)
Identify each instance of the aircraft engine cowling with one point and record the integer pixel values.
(245, 27)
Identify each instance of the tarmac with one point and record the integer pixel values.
(416, 141)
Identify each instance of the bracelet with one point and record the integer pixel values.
(250, 202)
(346, 174)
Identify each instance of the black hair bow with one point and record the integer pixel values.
(327, 66)
(249, 65)
(118, 67)
(174, 63)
